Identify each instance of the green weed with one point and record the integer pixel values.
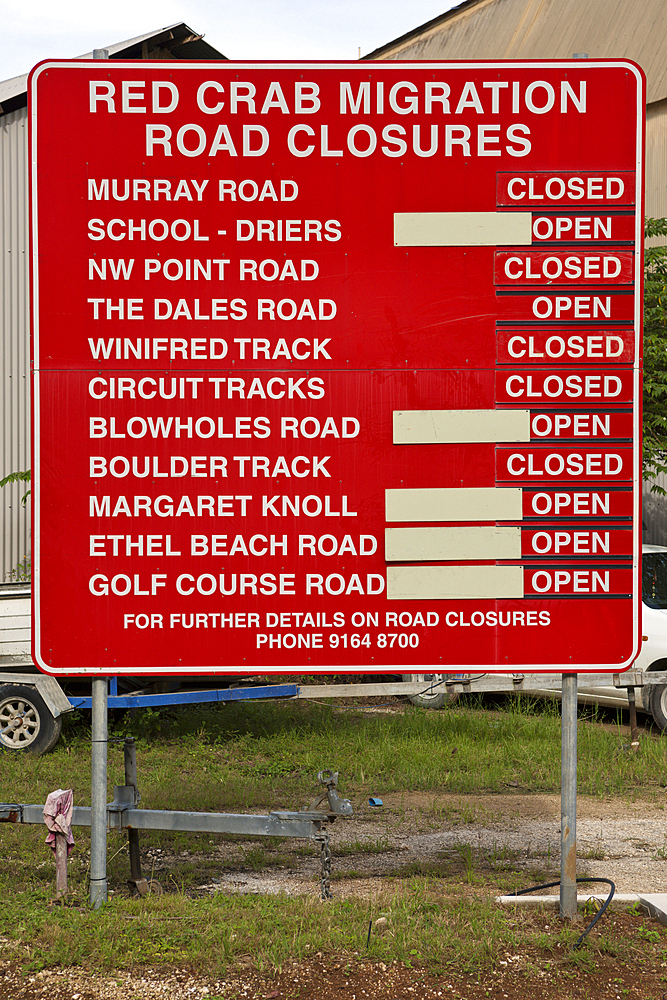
(595, 853)
(253, 757)
(379, 845)
(257, 858)
(243, 756)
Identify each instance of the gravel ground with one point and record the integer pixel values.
(625, 842)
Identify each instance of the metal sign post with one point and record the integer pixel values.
(98, 764)
(568, 798)
(98, 812)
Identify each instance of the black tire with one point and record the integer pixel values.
(658, 705)
(26, 725)
(438, 697)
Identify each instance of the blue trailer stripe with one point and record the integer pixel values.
(193, 697)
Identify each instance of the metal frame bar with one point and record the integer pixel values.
(123, 814)
(120, 816)
(98, 795)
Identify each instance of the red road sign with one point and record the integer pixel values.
(336, 367)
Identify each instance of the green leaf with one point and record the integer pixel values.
(654, 457)
(18, 477)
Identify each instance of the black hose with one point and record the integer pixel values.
(603, 908)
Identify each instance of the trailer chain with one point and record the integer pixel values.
(325, 862)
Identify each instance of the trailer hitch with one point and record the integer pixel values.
(337, 805)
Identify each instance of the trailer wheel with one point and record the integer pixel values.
(25, 722)
(658, 705)
(437, 697)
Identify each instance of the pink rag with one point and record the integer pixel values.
(58, 817)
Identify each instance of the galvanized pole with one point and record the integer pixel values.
(98, 765)
(568, 799)
(136, 881)
(98, 797)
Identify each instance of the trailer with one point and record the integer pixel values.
(32, 704)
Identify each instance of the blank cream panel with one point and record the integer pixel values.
(437, 583)
(460, 426)
(423, 544)
(477, 503)
(462, 229)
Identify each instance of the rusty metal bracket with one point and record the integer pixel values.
(11, 813)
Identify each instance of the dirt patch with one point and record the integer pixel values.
(521, 976)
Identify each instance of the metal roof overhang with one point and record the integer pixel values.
(177, 41)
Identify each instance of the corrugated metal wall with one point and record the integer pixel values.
(15, 360)
(654, 513)
(15, 543)
(545, 29)
(656, 160)
(549, 29)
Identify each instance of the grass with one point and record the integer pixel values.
(256, 756)
(594, 853)
(495, 869)
(249, 756)
(376, 845)
(210, 933)
(257, 858)
(216, 933)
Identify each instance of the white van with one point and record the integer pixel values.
(653, 655)
(651, 699)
